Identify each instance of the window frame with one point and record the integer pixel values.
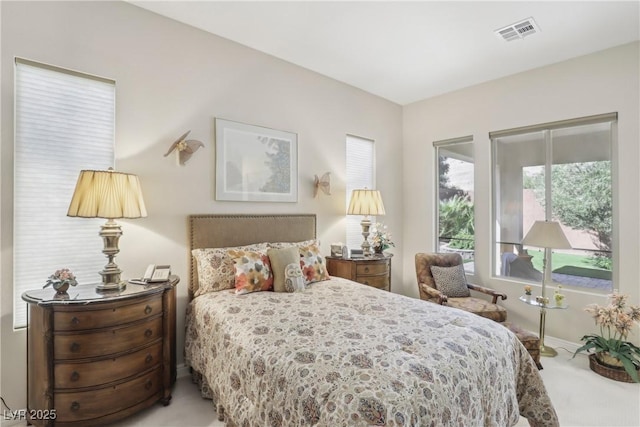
(438, 145)
(547, 129)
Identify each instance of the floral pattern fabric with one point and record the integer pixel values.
(345, 354)
(215, 267)
(479, 307)
(252, 271)
(314, 269)
(282, 245)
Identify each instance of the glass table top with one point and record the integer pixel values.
(538, 302)
(87, 293)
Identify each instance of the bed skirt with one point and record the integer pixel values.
(206, 393)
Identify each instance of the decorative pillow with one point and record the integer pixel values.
(252, 271)
(451, 281)
(279, 259)
(282, 245)
(293, 282)
(312, 264)
(215, 267)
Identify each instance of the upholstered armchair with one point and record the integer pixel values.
(430, 291)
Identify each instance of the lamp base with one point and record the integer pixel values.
(547, 351)
(110, 233)
(111, 287)
(111, 279)
(366, 246)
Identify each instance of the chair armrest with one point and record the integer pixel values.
(433, 295)
(488, 291)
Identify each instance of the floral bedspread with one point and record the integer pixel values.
(344, 354)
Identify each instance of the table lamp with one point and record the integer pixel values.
(366, 202)
(547, 235)
(110, 195)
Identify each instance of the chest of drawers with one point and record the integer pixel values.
(374, 271)
(97, 358)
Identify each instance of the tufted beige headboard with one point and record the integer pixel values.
(220, 231)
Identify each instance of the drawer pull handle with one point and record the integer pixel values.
(74, 347)
(148, 333)
(148, 384)
(75, 320)
(75, 376)
(149, 358)
(75, 406)
(366, 269)
(148, 309)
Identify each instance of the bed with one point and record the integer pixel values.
(344, 354)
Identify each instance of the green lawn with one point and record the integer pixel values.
(579, 265)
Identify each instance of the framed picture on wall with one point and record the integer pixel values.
(255, 164)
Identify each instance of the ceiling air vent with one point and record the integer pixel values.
(519, 30)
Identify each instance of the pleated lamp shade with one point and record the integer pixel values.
(107, 194)
(366, 202)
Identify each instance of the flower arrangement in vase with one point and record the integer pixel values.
(381, 238)
(558, 296)
(610, 346)
(61, 280)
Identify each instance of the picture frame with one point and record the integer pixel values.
(255, 163)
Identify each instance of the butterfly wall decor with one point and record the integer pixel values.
(185, 148)
(323, 183)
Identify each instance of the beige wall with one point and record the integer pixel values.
(599, 83)
(171, 78)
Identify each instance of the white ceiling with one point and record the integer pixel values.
(408, 51)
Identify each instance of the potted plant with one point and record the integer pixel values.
(381, 238)
(613, 356)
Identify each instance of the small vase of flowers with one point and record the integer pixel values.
(381, 238)
(558, 296)
(61, 280)
(610, 348)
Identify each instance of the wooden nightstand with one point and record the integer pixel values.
(94, 358)
(374, 271)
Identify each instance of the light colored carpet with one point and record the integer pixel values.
(581, 397)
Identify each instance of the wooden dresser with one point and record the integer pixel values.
(94, 358)
(374, 271)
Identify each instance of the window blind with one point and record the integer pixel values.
(360, 174)
(64, 122)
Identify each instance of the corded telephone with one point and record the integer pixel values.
(154, 273)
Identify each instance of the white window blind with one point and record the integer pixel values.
(64, 122)
(360, 174)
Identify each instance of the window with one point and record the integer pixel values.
(560, 171)
(360, 174)
(64, 122)
(454, 196)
